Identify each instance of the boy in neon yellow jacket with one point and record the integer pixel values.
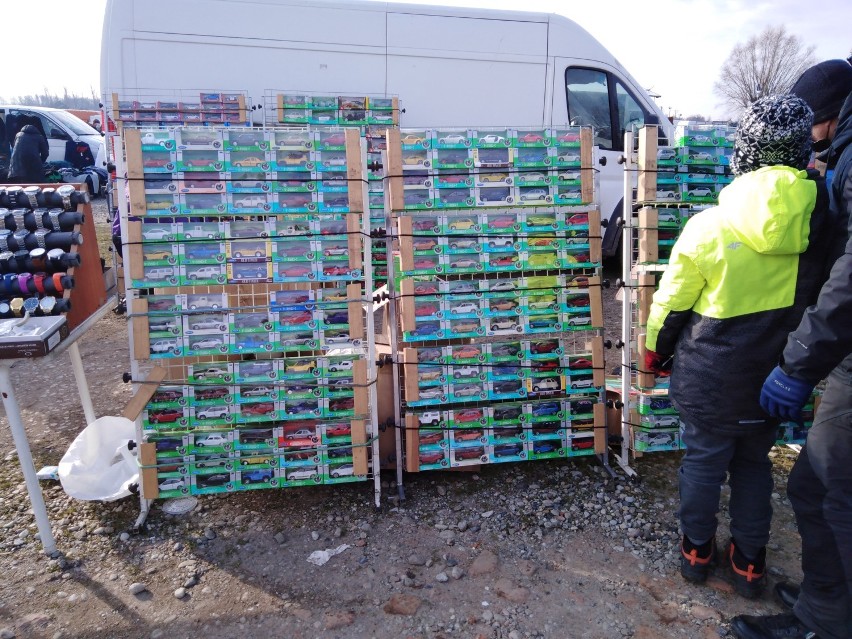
(739, 279)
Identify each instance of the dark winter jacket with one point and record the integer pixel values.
(739, 279)
(824, 338)
(28, 156)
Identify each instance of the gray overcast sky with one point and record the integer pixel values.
(673, 47)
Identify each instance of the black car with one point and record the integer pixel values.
(510, 386)
(507, 412)
(255, 436)
(208, 481)
(505, 350)
(515, 431)
(582, 406)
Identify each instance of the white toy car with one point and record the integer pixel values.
(492, 139)
(465, 307)
(212, 412)
(546, 384)
(214, 439)
(453, 138)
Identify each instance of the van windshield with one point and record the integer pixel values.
(72, 122)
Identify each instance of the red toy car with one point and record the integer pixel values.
(425, 309)
(568, 137)
(431, 438)
(531, 138)
(470, 453)
(338, 431)
(580, 363)
(335, 270)
(261, 408)
(543, 347)
(167, 415)
(578, 218)
(425, 289)
(469, 415)
(502, 222)
(295, 271)
(431, 458)
(297, 318)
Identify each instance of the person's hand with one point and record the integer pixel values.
(784, 396)
(660, 365)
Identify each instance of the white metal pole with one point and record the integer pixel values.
(626, 303)
(369, 289)
(82, 384)
(25, 457)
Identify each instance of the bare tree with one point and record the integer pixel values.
(47, 99)
(768, 64)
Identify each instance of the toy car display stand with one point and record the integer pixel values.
(249, 270)
(495, 310)
(49, 345)
(673, 184)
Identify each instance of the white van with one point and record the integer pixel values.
(449, 66)
(59, 127)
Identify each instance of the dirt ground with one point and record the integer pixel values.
(548, 549)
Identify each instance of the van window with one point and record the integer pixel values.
(598, 99)
(46, 124)
(588, 102)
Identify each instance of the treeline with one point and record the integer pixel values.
(46, 99)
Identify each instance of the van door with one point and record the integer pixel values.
(597, 97)
(56, 134)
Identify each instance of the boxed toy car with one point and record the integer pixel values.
(490, 139)
(158, 161)
(213, 483)
(446, 158)
(166, 418)
(451, 139)
(292, 160)
(209, 344)
(535, 177)
(656, 440)
(211, 395)
(253, 342)
(534, 157)
(246, 140)
(532, 138)
(689, 134)
(547, 448)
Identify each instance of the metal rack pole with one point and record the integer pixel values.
(623, 458)
(372, 368)
(392, 328)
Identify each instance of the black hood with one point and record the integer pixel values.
(842, 135)
(29, 128)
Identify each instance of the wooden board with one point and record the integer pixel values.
(600, 428)
(412, 444)
(596, 301)
(394, 170)
(144, 393)
(354, 171)
(587, 173)
(359, 446)
(647, 160)
(647, 286)
(595, 239)
(648, 236)
(409, 365)
(645, 379)
(408, 320)
(148, 460)
(598, 363)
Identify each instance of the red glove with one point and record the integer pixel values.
(660, 365)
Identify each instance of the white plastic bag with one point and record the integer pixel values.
(98, 464)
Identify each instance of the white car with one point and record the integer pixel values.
(502, 286)
(588, 382)
(463, 244)
(699, 138)
(466, 307)
(257, 391)
(341, 338)
(299, 474)
(533, 195)
(454, 138)
(204, 323)
(660, 440)
(464, 287)
(431, 393)
(202, 302)
(492, 139)
(546, 384)
(569, 176)
(666, 421)
(155, 233)
(702, 156)
(430, 418)
(205, 272)
(302, 433)
(464, 263)
(343, 365)
(534, 176)
(214, 439)
(160, 324)
(667, 216)
(212, 412)
(158, 272)
(501, 243)
(466, 371)
(569, 158)
(173, 483)
(335, 250)
(542, 303)
(250, 201)
(163, 345)
(701, 191)
(571, 195)
(579, 321)
(666, 154)
(207, 342)
(504, 325)
(346, 470)
(667, 195)
(200, 231)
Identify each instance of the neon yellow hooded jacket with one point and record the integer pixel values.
(738, 280)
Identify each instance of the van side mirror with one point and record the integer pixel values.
(56, 134)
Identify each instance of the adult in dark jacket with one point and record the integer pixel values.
(739, 279)
(28, 156)
(820, 484)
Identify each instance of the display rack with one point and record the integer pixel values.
(495, 311)
(248, 277)
(674, 183)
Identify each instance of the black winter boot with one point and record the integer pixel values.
(787, 594)
(785, 626)
(697, 561)
(749, 574)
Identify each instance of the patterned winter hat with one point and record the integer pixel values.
(775, 130)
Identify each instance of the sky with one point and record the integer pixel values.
(673, 48)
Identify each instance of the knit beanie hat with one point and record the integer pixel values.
(775, 130)
(825, 86)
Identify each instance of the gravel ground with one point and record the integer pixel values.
(548, 549)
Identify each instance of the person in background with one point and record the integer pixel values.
(28, 156)
(739, 277)
(820, 483)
